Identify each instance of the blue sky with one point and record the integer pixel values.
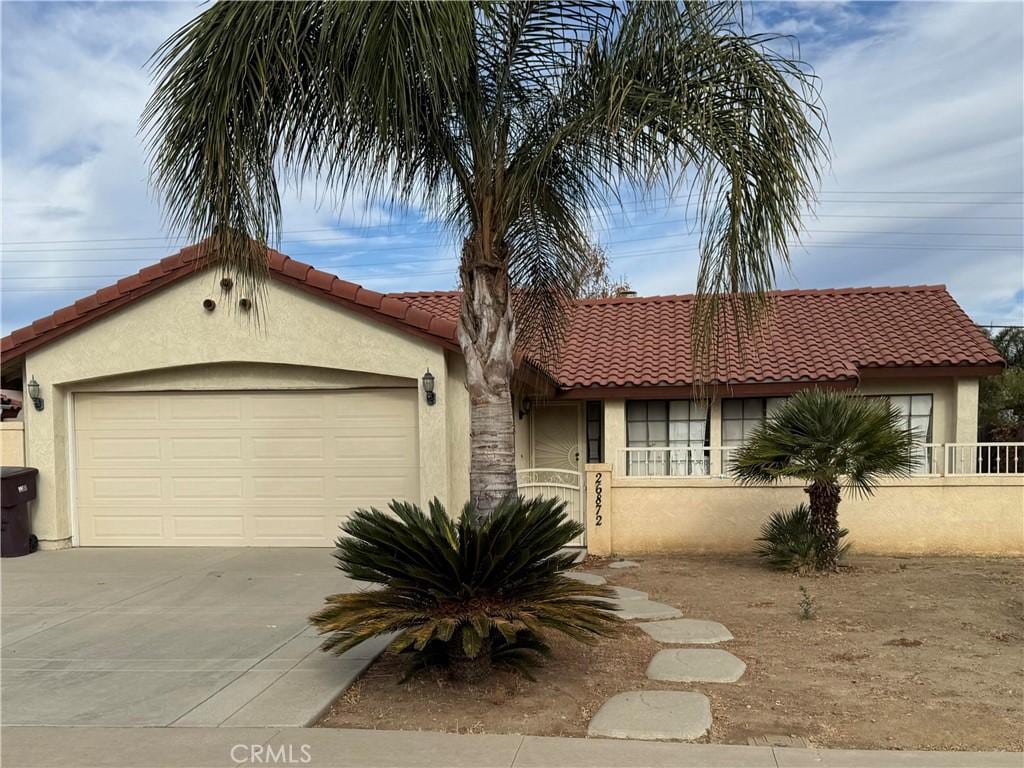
(926, 186)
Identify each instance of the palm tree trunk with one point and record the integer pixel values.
(487, 337)
(824, 498)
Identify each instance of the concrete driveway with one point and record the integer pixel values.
(181, 637)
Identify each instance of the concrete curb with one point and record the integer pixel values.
(97, 747)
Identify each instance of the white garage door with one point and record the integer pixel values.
(239, 468)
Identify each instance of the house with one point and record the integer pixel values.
(167, 416)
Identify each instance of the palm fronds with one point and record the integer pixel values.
(457, 589)
(789, 543)
(828, 437)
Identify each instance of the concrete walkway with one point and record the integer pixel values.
(86, 747)
(171, 637)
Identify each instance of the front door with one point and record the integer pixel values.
(556, 437)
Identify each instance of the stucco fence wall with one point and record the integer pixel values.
(919, 516)
(12, 443)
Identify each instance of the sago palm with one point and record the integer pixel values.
(828, 439)
(463, 593)
(510, 123)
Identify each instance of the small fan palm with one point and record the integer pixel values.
(463, 593)
(828, 439)
(789, 543)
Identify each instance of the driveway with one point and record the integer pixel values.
(172, 637)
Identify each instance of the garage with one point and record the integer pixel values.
(240, 468)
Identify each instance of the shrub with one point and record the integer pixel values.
(463, 594)
(788, 541)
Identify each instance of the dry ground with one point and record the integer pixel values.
(905, 653)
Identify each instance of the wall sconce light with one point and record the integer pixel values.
(33, 393)
(525, 406)
(428, 387)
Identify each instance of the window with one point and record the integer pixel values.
(916, 411)
(680, 424)
(741, 416)
(595, 432)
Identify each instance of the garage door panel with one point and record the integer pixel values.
(246, 469)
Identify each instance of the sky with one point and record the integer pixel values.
(926, 184)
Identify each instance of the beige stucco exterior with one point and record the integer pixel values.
(169, 342)
(949, 515)
(934, 515)
(12, 444)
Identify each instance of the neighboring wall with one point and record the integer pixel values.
(167, 341)
(927, 515)
(12, 443)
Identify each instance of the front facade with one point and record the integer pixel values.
(172, 417)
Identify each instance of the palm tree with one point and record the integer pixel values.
(509, 123)
(828, 439)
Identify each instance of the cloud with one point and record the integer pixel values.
(922, 97)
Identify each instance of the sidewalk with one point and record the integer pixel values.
(90, 747)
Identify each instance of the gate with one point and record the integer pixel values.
(565, 484)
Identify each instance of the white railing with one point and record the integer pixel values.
(927, 460)
(547, 483)
(984, 459)
(930, 460)
(692, 461)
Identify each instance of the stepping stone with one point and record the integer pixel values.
(695, 665)
(624, 564)
(587, 578)
(646, 610)
(687, 631)
(653, 716)
(623, 594)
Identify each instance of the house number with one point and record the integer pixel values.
(598, 490)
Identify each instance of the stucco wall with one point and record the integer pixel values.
(176, 344)
(973, 515)
(12, 444)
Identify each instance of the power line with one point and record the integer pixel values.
(640, 202)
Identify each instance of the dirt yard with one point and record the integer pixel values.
(904, 653)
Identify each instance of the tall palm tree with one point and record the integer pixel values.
(508, 122)
(828, 439)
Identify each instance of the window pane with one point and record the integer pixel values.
(657, 410)
(920, 425)
(677, 431)
(749, 427)
(657, 432)
(732, 409)
(636, 433)
(679, 410)
(902, 403)
(697, 433)
(753, 408)
(698, 410)
(921, 405)
(636, 410)
(732, 432)
(774, 403)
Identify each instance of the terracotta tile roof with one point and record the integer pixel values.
(822, 335)
(188, 261)
(813, 335)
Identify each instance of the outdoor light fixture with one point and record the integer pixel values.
(525, 406)
(428, 387)
(33, 393)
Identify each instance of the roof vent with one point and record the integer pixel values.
(625, 293)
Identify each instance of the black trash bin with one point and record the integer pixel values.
(17, 489)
